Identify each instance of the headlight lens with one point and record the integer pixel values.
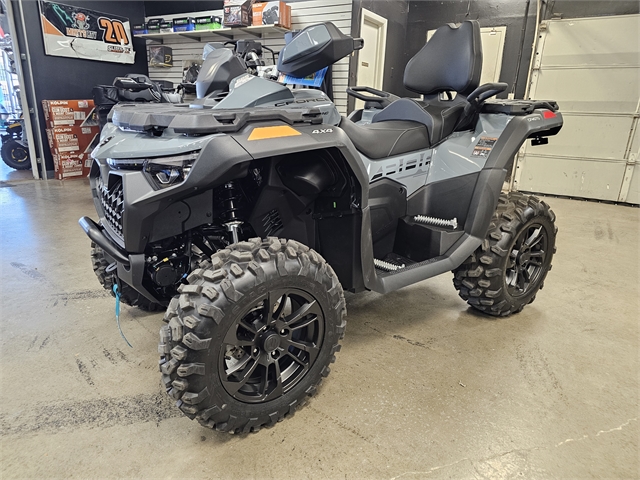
(169, 171)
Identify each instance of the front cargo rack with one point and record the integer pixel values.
(195, 121)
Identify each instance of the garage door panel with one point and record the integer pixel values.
(635, 143)
(594, 41)
(634, 189)
(608, 90)
(576, 139)
(587, 178)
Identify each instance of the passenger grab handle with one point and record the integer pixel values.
(488, 90)
(383, 98)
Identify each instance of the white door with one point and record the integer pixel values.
(373, 29)
(492, 39)
(591, 67)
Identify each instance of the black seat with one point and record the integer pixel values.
(450, 62)
(385, 139)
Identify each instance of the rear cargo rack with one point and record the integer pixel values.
(192, 121)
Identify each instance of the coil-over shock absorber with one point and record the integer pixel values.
(231, 198)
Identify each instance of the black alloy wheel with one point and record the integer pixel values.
(505, 273)
(526, 260)
(270, 349)
(252, 334)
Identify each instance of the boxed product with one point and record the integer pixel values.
(160, 56)
(139, 29)
(77, 113)
(153, 25)
(208, 23)
(166, 27)
(238, 13)
(69, 166)
(272, 13)
(72, 140)
(184, 24)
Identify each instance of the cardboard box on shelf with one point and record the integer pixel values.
(73, 140)
(68, 166)
(71, 113)
(184, 24)
(272, 13)
(238, 13)
(208, 23)
(160, 56)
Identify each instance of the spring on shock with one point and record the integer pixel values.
(231, 198)
(438, 222)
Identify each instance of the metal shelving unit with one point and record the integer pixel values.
(226, 33)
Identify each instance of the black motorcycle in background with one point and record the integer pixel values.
(15, 149)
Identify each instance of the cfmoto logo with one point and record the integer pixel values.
(328, 130)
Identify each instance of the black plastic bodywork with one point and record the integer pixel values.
(316, 190)
(317, 55)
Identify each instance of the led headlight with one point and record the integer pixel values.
(169, 171)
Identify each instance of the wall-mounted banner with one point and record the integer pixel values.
(82, 33)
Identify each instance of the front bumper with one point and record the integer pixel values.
(130, 267)
(95, 233)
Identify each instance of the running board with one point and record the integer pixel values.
(402, 277)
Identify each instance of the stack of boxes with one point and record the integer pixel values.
(73, 132)
(237, 13)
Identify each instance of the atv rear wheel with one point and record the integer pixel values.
(252, 334)
(510, 266)
(128, 295)
(15, 155)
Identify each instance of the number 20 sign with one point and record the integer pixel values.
(90, 35)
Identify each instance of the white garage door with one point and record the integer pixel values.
(591, 67)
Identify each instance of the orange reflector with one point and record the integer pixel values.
(264, 133)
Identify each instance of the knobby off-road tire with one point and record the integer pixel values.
(252, 334)
(15, 155)
(128, 295)
(505, 273)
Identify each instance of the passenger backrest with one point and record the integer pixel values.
(450, 61)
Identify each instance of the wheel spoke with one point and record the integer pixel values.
(239, 366)
(231, 338)
(297, 360)
(275, 304)
(277, 391)
(526, 275)
(521, 279)
(311, 349)
(534, 239)
(536, 254)
(233, 387)
(303, 311)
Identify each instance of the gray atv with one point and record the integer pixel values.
(247, 213)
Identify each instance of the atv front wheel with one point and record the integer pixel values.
(128, 295)
(15, 155)
(252, 334)
(510, 266)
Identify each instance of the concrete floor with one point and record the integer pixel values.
(423, 388)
